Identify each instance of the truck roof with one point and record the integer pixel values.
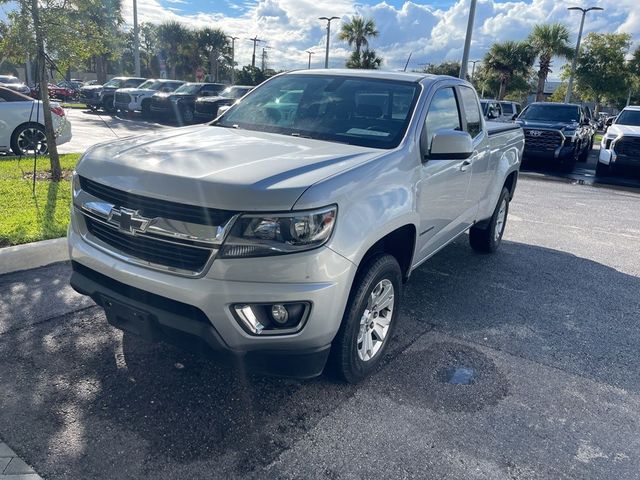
(379, 74)
(635, 108)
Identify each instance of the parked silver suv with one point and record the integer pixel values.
(284, 231)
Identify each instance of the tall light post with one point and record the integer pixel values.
(467, 40)
(136, 39)
(473, 68)
(233, 58)
(584, 11)
(326, 55)
(310, 53)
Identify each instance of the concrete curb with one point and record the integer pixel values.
(33, 255)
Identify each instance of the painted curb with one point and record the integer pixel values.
(33, 255)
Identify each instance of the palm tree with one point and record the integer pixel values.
(509, 59)
(357, 32)
(367, 59)
(213, 43)
(171, 36)
(548, 41)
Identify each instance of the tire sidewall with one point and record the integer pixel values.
(379, 268)
(504, 195)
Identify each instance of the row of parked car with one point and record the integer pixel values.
(185, 102)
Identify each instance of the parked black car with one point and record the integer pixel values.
(556, 132)
(206, 108)
(101, 96)
(180, 104)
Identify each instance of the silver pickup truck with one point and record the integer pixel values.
(283, 231)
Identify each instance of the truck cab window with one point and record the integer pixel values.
(443, 113)
(471, 111)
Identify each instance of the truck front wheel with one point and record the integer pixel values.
(487, 238)
(368, 320)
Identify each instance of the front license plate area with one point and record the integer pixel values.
(128, 318)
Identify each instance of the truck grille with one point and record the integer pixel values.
(89, 94)
(123, 98)
(149, 249)
(160, 244)
(545, 140)
(152, 207)
(628, 146)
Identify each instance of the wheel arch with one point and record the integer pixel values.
(399, 243)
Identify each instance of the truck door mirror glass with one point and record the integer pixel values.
(223, 109)
(450, 145)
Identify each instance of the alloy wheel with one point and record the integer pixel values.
(375, 320)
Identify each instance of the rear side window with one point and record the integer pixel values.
(507, 108)
(471, 111)
(443, 113)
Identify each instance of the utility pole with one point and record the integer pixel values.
(255, 41)
(310, 53)
(326, 55)
(136, 39)
(567, 98)
(233, 59)
(408, 59)
(467, 41)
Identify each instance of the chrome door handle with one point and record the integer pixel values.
(465, 165)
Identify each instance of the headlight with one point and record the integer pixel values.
(261, 235)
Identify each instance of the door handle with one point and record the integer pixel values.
(465, 165)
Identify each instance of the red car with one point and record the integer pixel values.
(56, 92)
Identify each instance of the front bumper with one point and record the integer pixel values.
(562, 153)
(198, 310)
(129, 106)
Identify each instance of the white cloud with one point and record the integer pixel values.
(291, 26)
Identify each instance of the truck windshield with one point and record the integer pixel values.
(629, 117)
(151, 85)
(552, 113)
(114, 82)
(189, 88)
(359, 111)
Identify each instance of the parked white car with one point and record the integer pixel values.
(139, 98)
(22, 124)
(510, 110)
(620, 147)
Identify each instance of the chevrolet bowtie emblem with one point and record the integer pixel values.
(129, 221)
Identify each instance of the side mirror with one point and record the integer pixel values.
(223, 109)
(450, 145)
(515, 115)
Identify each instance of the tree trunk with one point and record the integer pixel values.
(540, 89)
(101, 69)
(56, 170)
(503, 88)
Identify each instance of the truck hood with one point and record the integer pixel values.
(627, 130)
(548, 125)
(220, 167)
(136, 91)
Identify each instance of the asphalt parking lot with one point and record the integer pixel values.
(521, 364)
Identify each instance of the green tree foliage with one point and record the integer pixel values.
(366, 59)
(445, 68)
(172, 38)
(357, 32)
(548, 41)
(214, 44)
(506, 61)
(602, 75)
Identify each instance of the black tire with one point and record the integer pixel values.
(584, 154)
(187, 115)
(93, 108)
(345, 361)
(602, 170)
(567, 165)
(483, 238)
(108, 106)
(16, 143)
(146, 109)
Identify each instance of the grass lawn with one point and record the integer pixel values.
(598, 137)
(25, 217)
(74, 105)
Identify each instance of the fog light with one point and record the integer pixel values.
(271, 319)
(279, 314)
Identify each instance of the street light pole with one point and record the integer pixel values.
(326, 55)
(136, 39)
(467, 41)
(473, 68)
(233, 59)
(584, 11)
(310, 53)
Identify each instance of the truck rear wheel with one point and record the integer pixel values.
(487, 238)
(368, 320)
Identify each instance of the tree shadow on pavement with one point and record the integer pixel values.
(80, 400)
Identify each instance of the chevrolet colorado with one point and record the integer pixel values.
(284, 233)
